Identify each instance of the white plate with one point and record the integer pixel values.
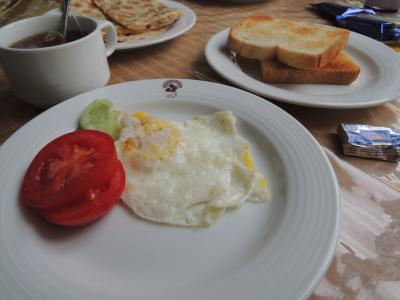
(184, 24)
(378, 81)
(275, 250)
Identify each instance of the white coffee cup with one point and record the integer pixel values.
(47, 76)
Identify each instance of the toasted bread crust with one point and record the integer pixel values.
(342, 70)
(300, 45)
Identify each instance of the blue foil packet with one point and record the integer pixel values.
(370, 141)
(338, 11)
(361, 20)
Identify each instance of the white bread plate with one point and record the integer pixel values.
(182, 25)
(377, 83)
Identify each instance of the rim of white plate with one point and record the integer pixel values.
(298, 254)
(376, 90)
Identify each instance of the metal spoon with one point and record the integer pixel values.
(65, 13)
(60, 36)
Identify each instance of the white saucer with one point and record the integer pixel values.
(184, 24)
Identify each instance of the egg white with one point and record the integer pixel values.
(186, 173)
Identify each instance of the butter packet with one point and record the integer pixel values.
(370, 141)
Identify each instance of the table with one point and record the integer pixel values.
(366, 264)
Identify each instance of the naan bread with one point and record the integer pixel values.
(140, 36)
(106, 5)
(139, 15)
(87, 8)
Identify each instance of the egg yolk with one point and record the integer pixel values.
(152, 139)
(248, 162)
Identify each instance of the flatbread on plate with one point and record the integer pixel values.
(140, 36)
(139, 15)
(87, 8)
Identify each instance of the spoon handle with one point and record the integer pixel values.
(65, 14)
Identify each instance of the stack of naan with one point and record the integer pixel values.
(133, 19)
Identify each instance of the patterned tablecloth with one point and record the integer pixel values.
(367, 260)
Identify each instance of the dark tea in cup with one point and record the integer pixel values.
(47, 39)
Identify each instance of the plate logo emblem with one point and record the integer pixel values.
(171, 87)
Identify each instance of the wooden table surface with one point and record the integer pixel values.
(367, 259)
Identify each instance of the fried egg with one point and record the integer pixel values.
(186, 173)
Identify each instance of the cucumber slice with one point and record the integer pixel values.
(100, 115)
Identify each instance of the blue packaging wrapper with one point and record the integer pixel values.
(361, 20)
(370, 141)
(338, 11)
(372, 26)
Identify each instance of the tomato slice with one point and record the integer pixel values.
(95, 204)
(66, 168)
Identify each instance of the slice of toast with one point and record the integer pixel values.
(297, 44)
(342, 70)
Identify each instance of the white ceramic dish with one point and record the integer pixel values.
(275, 250)
(41, 76)
(377, 83)
(184, 24)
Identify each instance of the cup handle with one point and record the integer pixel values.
(111, 36)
